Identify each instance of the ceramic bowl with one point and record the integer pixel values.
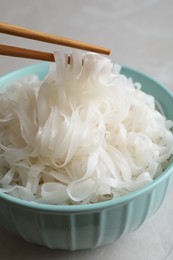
(87, 226)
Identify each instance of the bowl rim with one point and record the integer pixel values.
(95, 206)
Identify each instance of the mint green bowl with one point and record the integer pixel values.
(87, 226)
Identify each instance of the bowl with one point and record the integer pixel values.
(87, 226)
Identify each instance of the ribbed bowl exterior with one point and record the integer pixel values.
(87, 226)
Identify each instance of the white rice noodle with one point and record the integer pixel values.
(83, 134)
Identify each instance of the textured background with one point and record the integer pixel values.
(140, 35)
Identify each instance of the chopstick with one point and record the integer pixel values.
(25, 53)
(45, 37)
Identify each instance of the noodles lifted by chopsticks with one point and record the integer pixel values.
(84, 134)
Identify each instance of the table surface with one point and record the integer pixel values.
(140, 35)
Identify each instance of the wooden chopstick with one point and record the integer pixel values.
(12, 51)
(45, 37)
(25, 53)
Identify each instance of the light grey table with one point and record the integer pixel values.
(140, 35)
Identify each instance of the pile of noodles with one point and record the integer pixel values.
(83, 134)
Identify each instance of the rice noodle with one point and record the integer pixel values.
(83, 134)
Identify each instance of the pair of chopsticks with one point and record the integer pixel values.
(44, 37)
